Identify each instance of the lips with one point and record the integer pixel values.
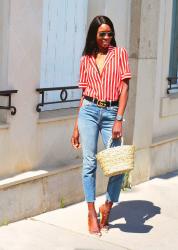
(105, 43)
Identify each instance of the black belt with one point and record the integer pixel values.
(101, 104)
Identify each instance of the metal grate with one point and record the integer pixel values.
(172, 85)
(8, 93)
(63, 96)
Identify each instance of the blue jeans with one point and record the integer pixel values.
(92, 120)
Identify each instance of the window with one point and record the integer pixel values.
(173, 72)
(64, 31)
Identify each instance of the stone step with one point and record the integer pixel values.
(35, 192)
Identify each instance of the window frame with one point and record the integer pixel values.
(173, 65)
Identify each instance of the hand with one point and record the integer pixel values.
(75, 139)
(117, 130)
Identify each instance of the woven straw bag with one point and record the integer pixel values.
(116, 160)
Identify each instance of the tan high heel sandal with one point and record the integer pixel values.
(93, 226)
(104, 218)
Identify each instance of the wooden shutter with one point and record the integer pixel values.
(64, 32)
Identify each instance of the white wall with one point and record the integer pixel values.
(119, 13)
(155, 131)
(166, 111)
(30, 141)
(4, 32)
(17, 140)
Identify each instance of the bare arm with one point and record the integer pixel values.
(75, 136)
(117, 127)
(123, 97)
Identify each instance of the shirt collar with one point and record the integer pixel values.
(109, 55)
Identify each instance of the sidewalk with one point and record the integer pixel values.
(145, 219)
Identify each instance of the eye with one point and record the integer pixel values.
(103, 34)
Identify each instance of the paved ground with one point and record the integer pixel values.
(145, 219)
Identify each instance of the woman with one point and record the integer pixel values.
(104, 79)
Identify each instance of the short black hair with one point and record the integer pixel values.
(91, 44)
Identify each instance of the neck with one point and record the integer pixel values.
(102, 50)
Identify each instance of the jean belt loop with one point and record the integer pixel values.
(110, 103)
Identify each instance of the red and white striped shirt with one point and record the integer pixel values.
(106, 86)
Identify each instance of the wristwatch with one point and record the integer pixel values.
(119, 117)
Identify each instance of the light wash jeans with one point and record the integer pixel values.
(91, 121)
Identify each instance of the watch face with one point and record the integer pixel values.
(119, 117)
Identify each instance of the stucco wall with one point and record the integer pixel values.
(32, 141)
(118, 11)
(4, 32)
(29, 140)
(24, 41)
(25, 142)
(155, 117)
(164, 148)
(165, 112)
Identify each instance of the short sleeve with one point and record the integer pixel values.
(82, 82)
(124, 64)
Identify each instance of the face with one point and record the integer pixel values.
(104, 36)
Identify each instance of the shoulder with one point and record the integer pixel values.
(122, 53)
(83, 59)
(121, 49)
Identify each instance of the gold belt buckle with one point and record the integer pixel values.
(101, 104)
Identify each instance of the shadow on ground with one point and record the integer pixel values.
(167, 176)
(135, 213)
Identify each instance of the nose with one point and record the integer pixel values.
(106, 35)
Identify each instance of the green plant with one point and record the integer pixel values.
(61, 203)
(4, 222)
(126, 182)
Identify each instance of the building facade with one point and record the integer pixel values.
(40, 47)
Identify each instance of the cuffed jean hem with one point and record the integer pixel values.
(92, 201)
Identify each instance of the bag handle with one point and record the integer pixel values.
(110, 141)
